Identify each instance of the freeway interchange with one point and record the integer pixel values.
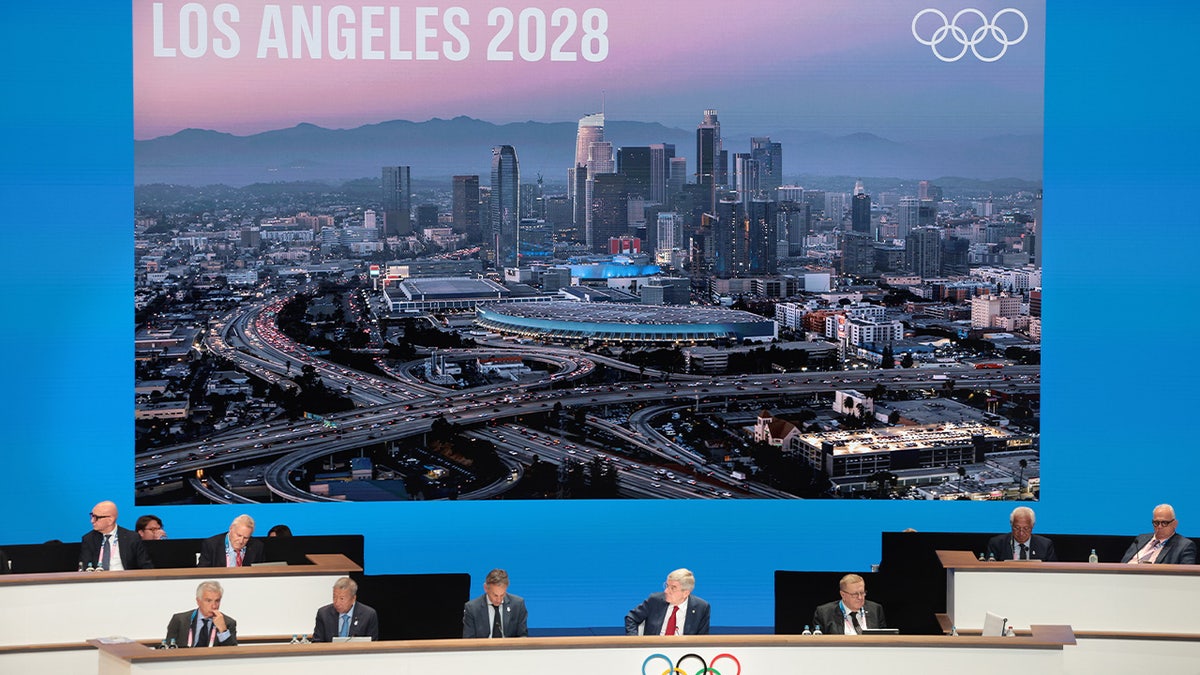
(400, 409)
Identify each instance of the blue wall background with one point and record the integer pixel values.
(1121, 185)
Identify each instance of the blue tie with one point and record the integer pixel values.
(106, 552)
(344, 631)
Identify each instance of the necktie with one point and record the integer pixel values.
(1024, 552)
(344, 630)
(671, 628)
(106, 552)
(205, 630)
(854, 622)
(497, 627)
(240, 554)
(1144, 558)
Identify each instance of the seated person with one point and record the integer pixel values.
(150, 528)
(1021, 543)
(851, 614)
(675, 611)
(1162, 546)
(234, 548)
(111, 547)
(204, 626)
(346, 616)
(497, 613)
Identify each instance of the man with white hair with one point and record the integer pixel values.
(234, 548)
(1021, 543)
(675, 611)
(1163, 546)
(206, 625)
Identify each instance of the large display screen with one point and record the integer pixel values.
(812, 77)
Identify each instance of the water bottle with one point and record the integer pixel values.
(953, 631)
(817, 629)
(1092, 557)
(172, 645)
(295, 640)
(1009, 632)
(304, 639)
(163, 645)
(90, 568)
(981, 558)
(80, 565)
(991, 557)
(806, 631)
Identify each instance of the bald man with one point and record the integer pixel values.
(109, 546)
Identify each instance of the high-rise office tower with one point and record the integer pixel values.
(661, 155)
(590, 130)
(636, 164)
(908, 216)
(793, 224)
(599, 160)
(427, 216)
(506, 206)
(770, 162)
(670, 235)
(860, 210)
(708, 151)
(464, 206)
(746, 176)
(762, 242)
(858, 253)
(397, 200)
(609, 212)
(923, 251)
(676, 179)
(731, 239)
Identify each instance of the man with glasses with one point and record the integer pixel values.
(675, 611)
(851, 614)
(109, 546)
(1021, 543)
(150, 528)
(1162, 546)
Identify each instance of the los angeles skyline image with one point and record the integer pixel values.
(390, 253)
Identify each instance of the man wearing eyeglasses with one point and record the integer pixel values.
(109, 546)
(1162, 546)
(851, 614)
(1022, 543)
(675, 611)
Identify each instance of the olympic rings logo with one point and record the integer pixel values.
(676, 668)
(951, 29)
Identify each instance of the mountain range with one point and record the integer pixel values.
(440, 148)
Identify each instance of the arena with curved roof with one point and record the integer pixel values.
(642, 324)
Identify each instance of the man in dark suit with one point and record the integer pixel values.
(111, 547)
(675, 611)
(852, 613)
(205, 626)
(346, 616)
(496, 613)
(1021, 543)
(1162, 546)
(234, 548)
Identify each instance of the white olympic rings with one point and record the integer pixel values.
(951, 29)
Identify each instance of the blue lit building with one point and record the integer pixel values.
(577, 322)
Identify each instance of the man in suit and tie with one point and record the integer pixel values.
(1021, 543)
(234, 548)
(1162, 546)
(111, 547)
(851, 614)
(496, 613)
(205, 626)
(675, 611)
(346, 616)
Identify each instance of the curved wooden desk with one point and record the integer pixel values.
(1041, 652)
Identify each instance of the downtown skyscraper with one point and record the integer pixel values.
(590, 130)
(709, 172)
(397, 200)
(506, 206)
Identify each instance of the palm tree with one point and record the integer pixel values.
(1021, 478)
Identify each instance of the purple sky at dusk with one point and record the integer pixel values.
(832, 67)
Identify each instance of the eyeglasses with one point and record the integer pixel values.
(858, 594)
(1162, 523)
(669, 587)
(96, 517)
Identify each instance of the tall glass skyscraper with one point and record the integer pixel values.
(506, 206)
(397, 200)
